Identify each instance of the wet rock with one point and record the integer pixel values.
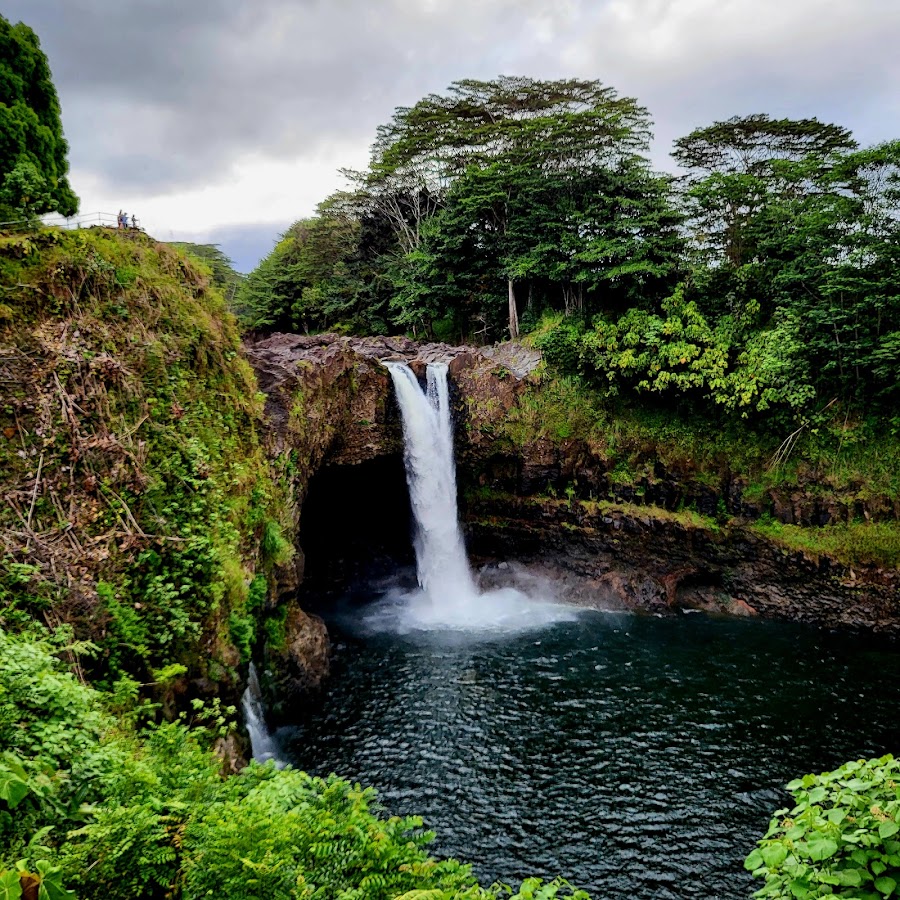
(296, 669)
(233, 753)
(739, 607)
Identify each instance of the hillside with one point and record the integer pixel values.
(139, 507)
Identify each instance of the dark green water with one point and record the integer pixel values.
(638, 757)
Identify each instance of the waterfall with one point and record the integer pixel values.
(262, 744)
(449, 598)
(441, 564)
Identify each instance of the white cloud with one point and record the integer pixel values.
(257, 190)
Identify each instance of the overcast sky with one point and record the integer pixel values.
(225, 120)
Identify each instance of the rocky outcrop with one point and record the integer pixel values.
(626, 557)
(616, 540)
(329, 397)
(296, 665)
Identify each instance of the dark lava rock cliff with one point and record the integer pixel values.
(330, 402)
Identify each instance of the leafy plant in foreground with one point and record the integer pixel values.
(841, 839)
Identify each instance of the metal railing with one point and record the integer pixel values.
(84, 220)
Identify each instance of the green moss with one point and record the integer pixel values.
(274, 626)
(854, 544)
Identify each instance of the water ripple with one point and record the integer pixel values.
(639, 757)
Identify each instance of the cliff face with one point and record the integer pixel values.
(624, 557)
(329, 398)
(614, 541)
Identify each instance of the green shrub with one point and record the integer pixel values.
(89, 802)
(842, 838)
(560, 341)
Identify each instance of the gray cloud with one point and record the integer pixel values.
(245, 245)
(196, 84)
(163, 95)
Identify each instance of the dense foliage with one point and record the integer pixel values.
(92, 802)
(139, 505)
(842, 838)
(221, 269)
(33, 164)
(756, 285)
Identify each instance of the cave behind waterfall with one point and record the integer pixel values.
(356, 524)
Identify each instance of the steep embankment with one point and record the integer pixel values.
(623, 521)
(139, 506)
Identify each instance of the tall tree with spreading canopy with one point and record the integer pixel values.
(489, 157)
(737, 172)
(33, 151)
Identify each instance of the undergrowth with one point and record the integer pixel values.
(93, 800)
(854, 458)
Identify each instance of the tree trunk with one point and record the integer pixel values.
(513, 313)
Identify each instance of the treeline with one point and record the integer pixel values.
(761, 279)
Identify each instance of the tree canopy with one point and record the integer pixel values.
(221, 268)
(33, 151)
(758, 282)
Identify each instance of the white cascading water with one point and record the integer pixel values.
(441, 564)
(262, 744)
(448, 597)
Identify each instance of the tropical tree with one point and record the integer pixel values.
(736, 168)
(830, 257)
(224, 275)
(501, 159)
(326, 272)
(33, 151)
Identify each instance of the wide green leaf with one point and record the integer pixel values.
(12, 789)
(821, 848)
(10, 886)
(774, 855)
(754, 861)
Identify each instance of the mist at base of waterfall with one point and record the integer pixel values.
(504, 599)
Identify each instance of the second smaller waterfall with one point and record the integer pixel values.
(262, 744)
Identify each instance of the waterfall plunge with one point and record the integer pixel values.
(441, 564)
(448, 598)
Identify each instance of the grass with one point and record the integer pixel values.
(688, 517)
(854, 544)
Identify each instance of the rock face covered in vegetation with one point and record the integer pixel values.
(329, 399)
(539, 483)
(139, 505)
